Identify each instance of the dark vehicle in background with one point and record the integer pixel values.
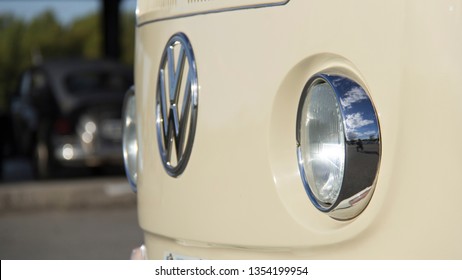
(68, 113)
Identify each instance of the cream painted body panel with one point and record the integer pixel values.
(241, 195)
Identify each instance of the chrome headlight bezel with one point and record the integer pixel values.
(129, 138)
(361, 145)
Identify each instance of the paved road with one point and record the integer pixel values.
(74, 234)
(76, 216)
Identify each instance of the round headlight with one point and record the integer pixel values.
(129, 140)
(338, 145)
(322, 143)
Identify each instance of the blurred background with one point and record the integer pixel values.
(65, 66)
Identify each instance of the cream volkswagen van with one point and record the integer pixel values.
(266, 129)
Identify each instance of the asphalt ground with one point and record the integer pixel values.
(83, 234)
(74, 188)
(78, 215)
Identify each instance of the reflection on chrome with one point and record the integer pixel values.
(323, 158)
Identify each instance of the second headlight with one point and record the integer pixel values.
(129, 138)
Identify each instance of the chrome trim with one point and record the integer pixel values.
(175, 125)
(216, 11)
(362, 146)
(129, 139)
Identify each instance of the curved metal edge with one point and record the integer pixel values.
(358, 113)
(217, 11)
(362, 146)
(175, 171)
(132, 181)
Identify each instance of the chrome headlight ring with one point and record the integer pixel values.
(338, 145)
(129, 138)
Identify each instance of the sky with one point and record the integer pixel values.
(65, 10)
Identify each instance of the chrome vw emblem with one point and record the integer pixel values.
(176, 108)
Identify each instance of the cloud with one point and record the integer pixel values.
(352, 135)
(369, 133)
(354, 121)
(354, 95)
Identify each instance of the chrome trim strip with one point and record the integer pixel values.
(217, 11)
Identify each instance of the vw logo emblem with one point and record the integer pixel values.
(176, 104)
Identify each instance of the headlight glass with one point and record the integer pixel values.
(322, 143)
(129, 140)
(338, 145)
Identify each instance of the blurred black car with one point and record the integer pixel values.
(68, 113)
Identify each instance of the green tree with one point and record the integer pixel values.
(43, 37)
(11, 33)
(23, 43)
(127, 38)
(85, 38)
